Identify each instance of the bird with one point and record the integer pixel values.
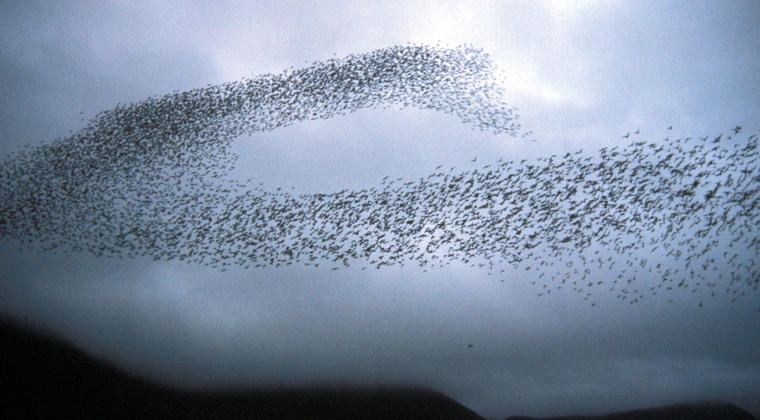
(153, 179)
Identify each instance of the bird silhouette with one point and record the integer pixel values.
(152, 179)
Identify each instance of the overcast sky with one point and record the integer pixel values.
(581, 75)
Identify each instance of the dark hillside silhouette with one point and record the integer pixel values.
(47, 379)
(702, 411)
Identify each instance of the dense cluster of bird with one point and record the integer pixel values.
(151, 179)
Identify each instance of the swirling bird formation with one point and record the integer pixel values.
(151, 179)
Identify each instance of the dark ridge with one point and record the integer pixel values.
(45, 378)
(699, 411)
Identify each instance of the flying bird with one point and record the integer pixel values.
(152, 179)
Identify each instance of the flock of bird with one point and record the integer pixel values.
(152, 179)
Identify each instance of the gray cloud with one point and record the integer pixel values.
(643, 66)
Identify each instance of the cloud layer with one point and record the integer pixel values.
(151, 179)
